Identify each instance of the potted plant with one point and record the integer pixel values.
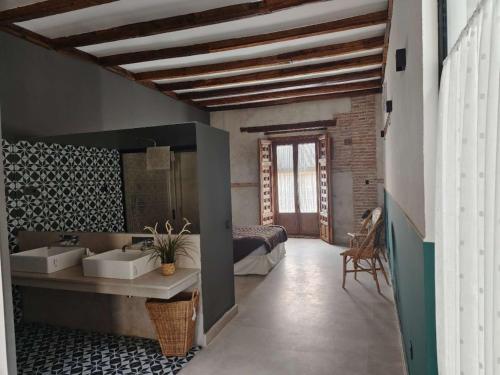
(167, 246)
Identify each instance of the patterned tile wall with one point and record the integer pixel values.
(61, 188)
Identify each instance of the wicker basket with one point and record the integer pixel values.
(175, 321)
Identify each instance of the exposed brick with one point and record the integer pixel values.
(359, 157)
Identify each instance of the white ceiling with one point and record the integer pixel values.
(129, 11)
(286, 79)
(125, 12)
(119, 13)
(293, 87)
(9, 4)
(260, 51)
(266, 68)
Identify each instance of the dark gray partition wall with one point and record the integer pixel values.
(217, 273)
(43, 93)
(179, 135)
(214, 193)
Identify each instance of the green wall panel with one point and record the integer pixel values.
(412, 265)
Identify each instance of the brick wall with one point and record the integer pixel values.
(355, 151)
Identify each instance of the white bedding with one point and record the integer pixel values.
(259, 261)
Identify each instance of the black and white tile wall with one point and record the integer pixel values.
(51, 187)
(68, 188)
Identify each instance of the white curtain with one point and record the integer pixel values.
(307, 178)
(286, 181)
(468, 201)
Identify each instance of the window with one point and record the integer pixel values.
(307, 178)
(286, 181)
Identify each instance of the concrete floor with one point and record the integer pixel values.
(299, 320)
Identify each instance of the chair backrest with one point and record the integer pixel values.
(376, 214)
(374, 231)
(366, 224)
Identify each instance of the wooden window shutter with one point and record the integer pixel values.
(266, 182)
(324, 166)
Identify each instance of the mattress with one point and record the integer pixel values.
(260, 261)
(247, 239)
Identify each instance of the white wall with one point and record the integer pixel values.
(430, 75)
(244, 151)
(404, 163)
(244, 157)
(409, 144)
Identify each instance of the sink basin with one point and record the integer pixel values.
(46, 259)
(118, 264)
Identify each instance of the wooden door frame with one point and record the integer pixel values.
(328, 166)
(294, 141)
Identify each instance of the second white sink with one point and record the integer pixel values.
(46, 259)
(118, 264)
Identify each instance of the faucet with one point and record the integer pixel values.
(125, 247)
(145, 245)
(65, 240)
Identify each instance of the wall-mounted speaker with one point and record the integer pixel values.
(400, 59)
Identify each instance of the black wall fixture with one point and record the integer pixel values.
(400, 59)
(388, 106)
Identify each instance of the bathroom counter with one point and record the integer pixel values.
(150, 285)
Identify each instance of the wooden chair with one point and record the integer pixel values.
(365, 255)
(363, 231)
(367, 223)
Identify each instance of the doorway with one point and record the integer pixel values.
(295, 182)
(296, 169)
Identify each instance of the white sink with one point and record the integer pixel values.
(118, 264)
(47, 259)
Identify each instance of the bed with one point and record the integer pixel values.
(257, 248)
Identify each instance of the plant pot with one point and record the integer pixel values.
(168, 269)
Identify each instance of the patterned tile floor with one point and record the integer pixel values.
(44, 350)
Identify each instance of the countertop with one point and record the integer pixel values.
(150, 285)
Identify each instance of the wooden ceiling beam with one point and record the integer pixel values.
(295, 100)
(330, 51)
(320, 81)
(294, 126)
(293, 93)
(181, 22)
(365, 20)
(358, 62)
(46, 8)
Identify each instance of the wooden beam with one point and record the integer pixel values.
(358, 62)
(365, 20)
(295, 131)
(181, 22)
(387, 36)
(294, 126)
(46, 8)
(266, 87)
(294, 100)
(334, 50)
(293, 93)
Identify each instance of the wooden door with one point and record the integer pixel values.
(296, 185)
(266, 182)
(324, 172)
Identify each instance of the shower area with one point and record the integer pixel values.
(160, 184)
